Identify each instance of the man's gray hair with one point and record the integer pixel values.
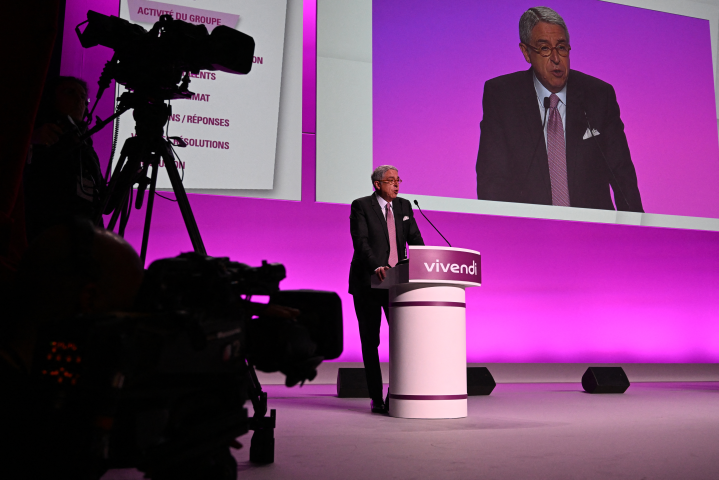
(533, 16)
(380, 171)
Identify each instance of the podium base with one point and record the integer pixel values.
(428, 408)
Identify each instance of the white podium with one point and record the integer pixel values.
(427, 331)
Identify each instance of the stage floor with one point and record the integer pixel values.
(521, 431)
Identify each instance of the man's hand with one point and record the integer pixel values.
(382, 273)
(47, 134)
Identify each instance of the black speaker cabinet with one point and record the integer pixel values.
(605, 380)
(352, 383)
(479, 381)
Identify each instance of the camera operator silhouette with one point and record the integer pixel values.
(62, 177)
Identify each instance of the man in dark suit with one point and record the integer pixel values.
(381, 225)
(566, 152)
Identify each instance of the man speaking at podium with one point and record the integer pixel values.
(582, 150)
(381, 225)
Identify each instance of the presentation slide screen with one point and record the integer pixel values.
(431, 60)
(230, 123)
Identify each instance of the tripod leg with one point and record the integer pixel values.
(183, 201)
(125, 215)
(110, 188)
(115, 214)
(148, 212)
(262, 445)
(257, 396)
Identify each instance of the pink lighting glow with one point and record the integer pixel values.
(553, 291)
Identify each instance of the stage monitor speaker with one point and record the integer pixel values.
(352, 383)
(479, 381)
(605, 380)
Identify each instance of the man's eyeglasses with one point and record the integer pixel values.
(394, 181)
(545, 50)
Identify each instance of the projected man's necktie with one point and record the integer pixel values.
(392, 237)
(557, 153)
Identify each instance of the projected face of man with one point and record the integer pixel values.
(551, 71)
(388, 188)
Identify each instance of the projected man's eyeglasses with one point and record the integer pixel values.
(545, 50)
(394, 181)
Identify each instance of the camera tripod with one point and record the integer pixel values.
(140, 153)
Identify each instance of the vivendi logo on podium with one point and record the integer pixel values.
(444, 265)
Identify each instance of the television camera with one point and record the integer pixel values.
(155, 67)
(162, 389)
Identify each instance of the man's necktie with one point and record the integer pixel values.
(557, 153)
(393, 259)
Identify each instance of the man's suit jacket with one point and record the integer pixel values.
(370, 237)
(512, 163)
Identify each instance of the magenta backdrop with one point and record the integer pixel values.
(431, 59)
(554, 291)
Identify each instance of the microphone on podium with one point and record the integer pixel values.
(425, 217)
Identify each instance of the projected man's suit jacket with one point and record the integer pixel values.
(512, 164)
